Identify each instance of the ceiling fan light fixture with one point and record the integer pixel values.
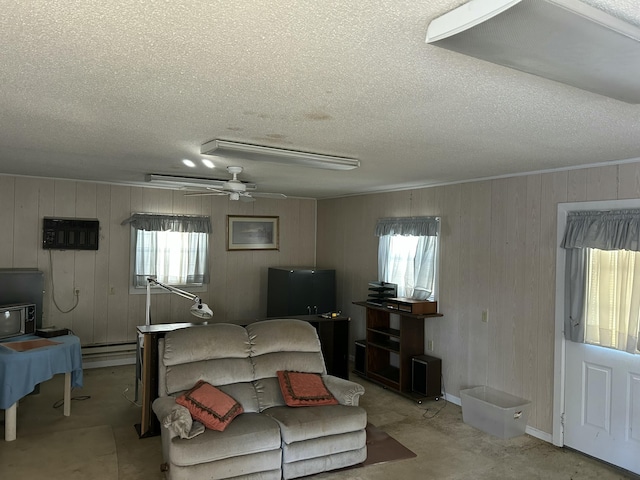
(246, 151)
(562, 40)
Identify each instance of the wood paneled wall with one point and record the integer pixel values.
(106, 312)
(498, 249)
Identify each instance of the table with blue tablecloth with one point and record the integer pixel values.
(21, 371)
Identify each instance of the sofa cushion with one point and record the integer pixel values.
(218, 372)
(206, 342)
(210, 406)
(323, 446)
(315, 465)
(247, 467)
(268, 392)
(285, 335)
(249, 433)
(303, 423)
(266, 366)
(301, 389)
(244, 393)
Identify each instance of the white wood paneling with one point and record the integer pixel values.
(106, 312)
(498, 254)
(7, 219)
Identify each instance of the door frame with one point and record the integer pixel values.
(560, 345)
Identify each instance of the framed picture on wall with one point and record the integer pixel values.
(252, 233)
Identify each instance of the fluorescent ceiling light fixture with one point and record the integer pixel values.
(246, 151)
(562, 40)
(207, 163)
(190, 182)
(188, 163)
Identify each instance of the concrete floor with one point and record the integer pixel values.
(99, 439)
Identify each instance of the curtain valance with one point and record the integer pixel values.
(604, 230)
(416, 226)
(176, 223)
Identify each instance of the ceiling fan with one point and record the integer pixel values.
(236, 189)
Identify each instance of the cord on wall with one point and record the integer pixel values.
(76, 293)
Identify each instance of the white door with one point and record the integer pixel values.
(602, 404)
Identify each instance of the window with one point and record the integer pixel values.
(603, 278)
(172, 248)
(407, 255)
(612, 306)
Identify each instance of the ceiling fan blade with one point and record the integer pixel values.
(204, 194)
(247, 198)
(268, 195)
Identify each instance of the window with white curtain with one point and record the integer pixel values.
(407, 255)
(172, 248)
(603, 278)
(612, 306)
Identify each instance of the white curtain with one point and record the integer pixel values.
(174, 258)
(409, 262)
(613, 299)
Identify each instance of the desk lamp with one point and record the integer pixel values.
(198, 309)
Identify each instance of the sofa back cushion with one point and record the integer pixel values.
(206, 342)
(284, 345)
(242, 362)
(218, 354)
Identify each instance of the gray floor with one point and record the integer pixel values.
(99, 434)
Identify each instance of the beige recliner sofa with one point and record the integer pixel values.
(269, 440)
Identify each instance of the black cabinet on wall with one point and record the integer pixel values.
(300, 291)
(308, 293)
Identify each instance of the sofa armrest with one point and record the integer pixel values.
(345, 391)
(176, 418)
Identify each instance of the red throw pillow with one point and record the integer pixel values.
(304, 389)
(210, 406)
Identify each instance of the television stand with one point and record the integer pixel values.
(389, 351)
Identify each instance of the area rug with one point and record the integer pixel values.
(382, 448)
(77, 454)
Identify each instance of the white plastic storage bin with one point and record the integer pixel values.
(494, 412)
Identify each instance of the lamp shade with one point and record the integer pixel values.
(201, 310)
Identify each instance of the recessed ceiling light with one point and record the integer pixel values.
(188, 163)
(208, 163)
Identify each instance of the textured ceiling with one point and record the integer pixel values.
(111, 91)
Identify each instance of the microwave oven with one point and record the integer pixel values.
(17, 319)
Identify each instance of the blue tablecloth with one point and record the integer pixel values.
(20, 372)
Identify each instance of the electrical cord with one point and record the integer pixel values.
(132, 402)
(53, 290)
(80, 398)
(443, 397)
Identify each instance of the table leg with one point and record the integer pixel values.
(67, 394)
(10, 415)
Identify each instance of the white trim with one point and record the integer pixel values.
(559, 347)
(539, 434)
(453, 399)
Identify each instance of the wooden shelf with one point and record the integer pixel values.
(398, 312)
(389, 345)
(387, 374)
(391, 332)
(389, 350)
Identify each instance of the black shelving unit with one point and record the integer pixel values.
(379, 292)
(308, 293)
